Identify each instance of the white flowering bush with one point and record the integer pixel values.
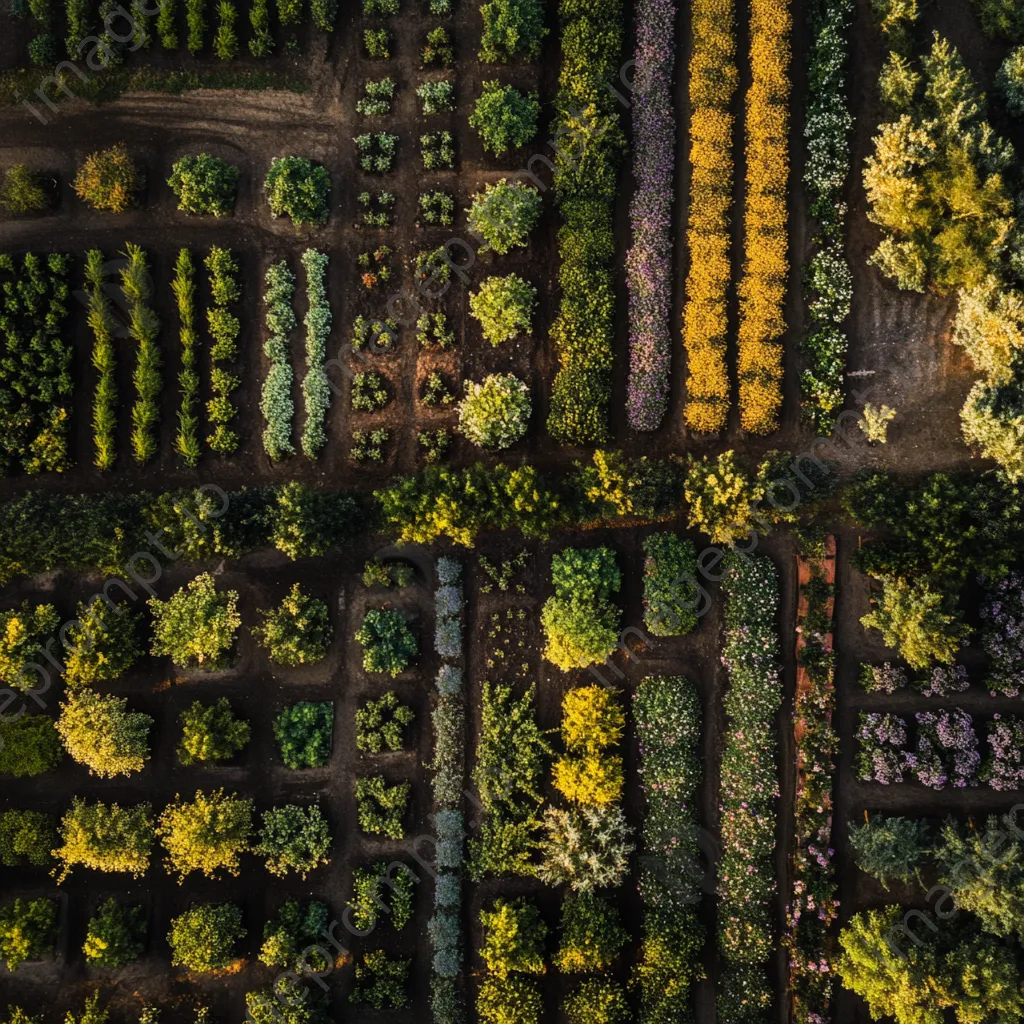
(276, 403)
(1010, 80)
(495, 413)
(316, 391)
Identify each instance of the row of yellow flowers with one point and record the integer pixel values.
(762, 290)
(713, 78)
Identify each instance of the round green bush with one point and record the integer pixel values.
(1010, 80)
(504, 118)
(203, 938)
(298, 188)
(204, 184)
(496, 412)
(388, 645)
(504, 306)
(504, 214)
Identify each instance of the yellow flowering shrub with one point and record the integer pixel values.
(592, 719)
(762, 290)
(712, 83)
(594, 780)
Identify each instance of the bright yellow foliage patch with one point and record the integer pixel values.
(762, 290)
(713, 78)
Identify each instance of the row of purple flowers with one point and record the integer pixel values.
(945, 753)
(649, 260)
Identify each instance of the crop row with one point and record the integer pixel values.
(813, 905)
(668, 719)
(712, 83)
(448, 764)
(749, 789)
(146, 24)
(35, 363)
(585, 187)
(649, 260)
(828, 281)
(762, 289)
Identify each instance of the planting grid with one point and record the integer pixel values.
(249, 129)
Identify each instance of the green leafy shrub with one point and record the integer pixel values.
(106, 837)
(296, 187)
(436, 97)
(388, 644)
(29, 745)
(100, 732)
(889, 848)
(115, 936)
(288, 936)
(377, 573)
(22, 191)
(504, 306)
(296, 632)
(225, 40)
(592, 935)
(1000, 19)
(369, 392)
(496, 412)
(381, 724)
(381, 808)
(204, 184)
(308, 521)
(144, 327)
(586, 848)
(437, 207)
(671, 594)
(512, 28)
(378, 43)
(437, 151)
(27, 838)
(197, 625)
(504, 214)
(324, 14)
(514, 937)
(203, 938)
(22, 636)
(511, 1000)
(293, 838)
(195, 15)
(505, 118)
(28, 931)
(288, 1001)
(289, 12)
(261, 41)
(435, 391)
(210, 732)
(377, 97)
(382, 888)
(109, 180)
(438, 50)
(102, 642)
(435, 444)
(316, 389)
(303, 733)
(597, 1002)
(225, 328)
(381, 981)
(580, 620)
(919, 622)
(208, 834)
(929, 236)
(1009, 79)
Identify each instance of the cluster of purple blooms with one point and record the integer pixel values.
(1004, 769)
(649, 261)
(882, 739)
(943, 681)
(947, 750)
(1003, 635)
